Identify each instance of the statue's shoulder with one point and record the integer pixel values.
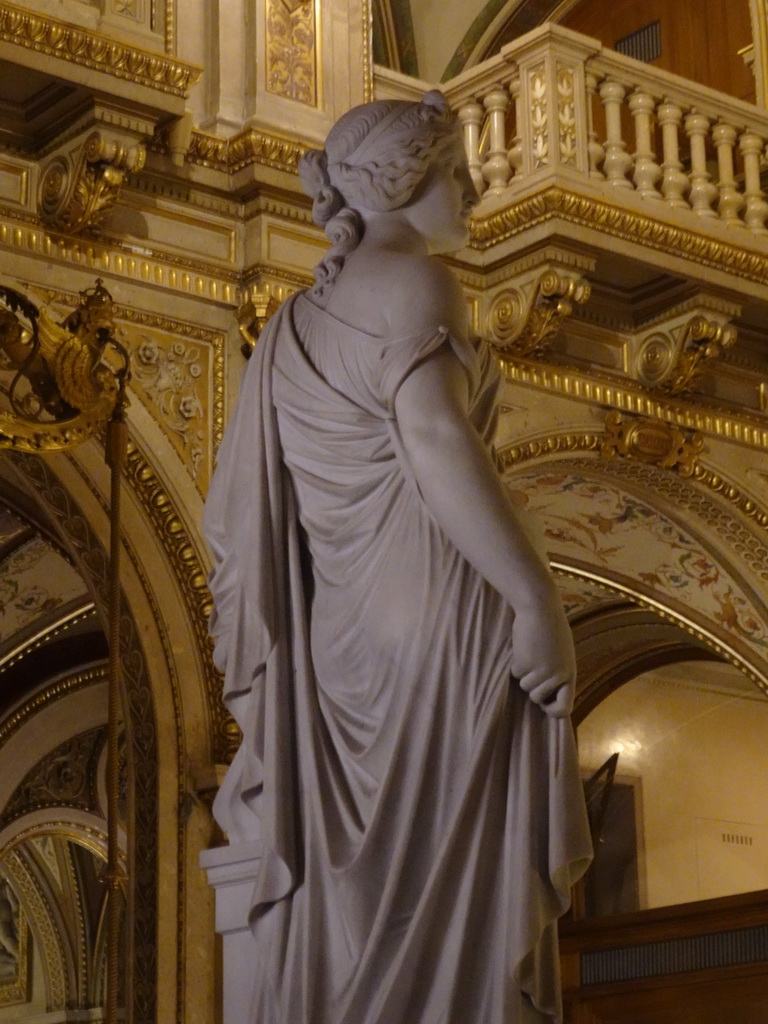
(424, 294)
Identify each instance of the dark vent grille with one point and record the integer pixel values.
(645, 44)
(699, 953)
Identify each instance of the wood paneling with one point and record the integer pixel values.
(700, 39)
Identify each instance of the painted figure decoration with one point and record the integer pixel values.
(393, 645)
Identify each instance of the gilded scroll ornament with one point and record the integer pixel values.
(62, 391)
(292, 50)
(702, 341)
(521, 320)
(653, 441)
(78, 189)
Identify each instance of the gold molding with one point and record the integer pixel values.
(47, 633)
(619, 223)
(751, 431)
(367, 51)
(192, 579)
(59, 39)
(61, 688)
(245, 149)
(161, 270)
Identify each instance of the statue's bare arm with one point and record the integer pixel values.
(465, 494)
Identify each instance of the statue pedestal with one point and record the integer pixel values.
(232, 872)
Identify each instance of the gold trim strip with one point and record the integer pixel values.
(690, 627)
(741, 429)
(61, 688)
(65, 622)
(243, 150)
(619, 223)
(58, 39)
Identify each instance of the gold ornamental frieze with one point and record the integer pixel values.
(617, 222)
(600, 389)
(654, 441)
(58, 39)
(291, 58)
(245, 149)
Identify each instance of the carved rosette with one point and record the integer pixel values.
(652, 441)
(79, 188)
(521, 320)
(291, 65)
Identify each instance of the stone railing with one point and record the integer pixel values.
(557, 104)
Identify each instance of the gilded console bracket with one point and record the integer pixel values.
(80, 184)
(522, 319)
(652, 441)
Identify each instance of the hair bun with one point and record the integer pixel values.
(434, 98)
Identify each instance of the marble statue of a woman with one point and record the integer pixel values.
(393, 646)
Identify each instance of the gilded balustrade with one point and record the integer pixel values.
(557, 103)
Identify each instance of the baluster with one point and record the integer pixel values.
(594, 149)
(617, 161)
(702, 191)
(751, 147)
(730, 201)
(515, 154)
(674, 181)
(471, 117)
(647, 171)
(496, 169)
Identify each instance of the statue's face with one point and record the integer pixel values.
(441, 206)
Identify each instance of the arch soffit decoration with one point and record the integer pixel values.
(80, 539)
(393, 39)
(499, 22)
(643, 537)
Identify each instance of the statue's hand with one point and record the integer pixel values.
(543, 658)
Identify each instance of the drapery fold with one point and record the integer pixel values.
(421, 820)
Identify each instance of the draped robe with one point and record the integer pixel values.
(421, 819)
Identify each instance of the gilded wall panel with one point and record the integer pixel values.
(292, 50)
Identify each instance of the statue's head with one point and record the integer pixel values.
(374, 159)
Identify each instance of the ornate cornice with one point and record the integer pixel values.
(245, 149)
(619, 223)
(600, 389)
(56, 38)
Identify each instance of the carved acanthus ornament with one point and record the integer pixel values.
(672, 357)
(61, 391)
(292, 50)
(653, 441)
(79, 186)
(522, 319)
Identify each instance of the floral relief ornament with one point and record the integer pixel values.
(170, 379)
